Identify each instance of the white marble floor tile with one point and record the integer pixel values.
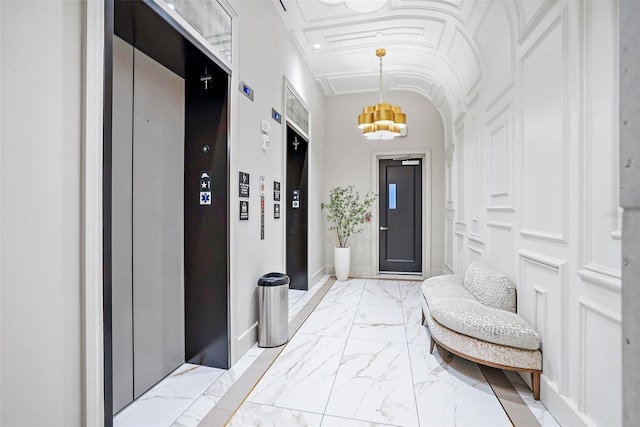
(452, 394)
(196, 412)
(374, 384)
(330, 320)
(537, 408)
(347, 292)
(416, 332)
(229, 377)
(295, 295)
(329, 421)
(410, 293)
(302, 376)
(381, 292)
(383, 323)
(165, 402)
(251, 414)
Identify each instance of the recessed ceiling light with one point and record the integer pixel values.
(316, 46)
(171, 6)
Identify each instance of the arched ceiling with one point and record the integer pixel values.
(430, 45)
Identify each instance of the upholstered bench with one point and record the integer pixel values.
(475, 317)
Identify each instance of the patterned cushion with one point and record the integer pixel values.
(483, 350)
(469, 317)
(490, 287)
(444, 287)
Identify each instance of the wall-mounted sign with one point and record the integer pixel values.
(261, 217)
(261, 187)
(205, 188)
(244, 210)
(243, 185)
(276, 210)
(295, 199)
(276, 191)
(276, 116)
(246, 89)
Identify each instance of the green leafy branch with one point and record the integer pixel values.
(346, 212)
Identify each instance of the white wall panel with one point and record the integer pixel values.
(494, 37)
(550, 190)
(460, 176)
(602, 211)
(544, 158)
(542, 301)
(501, 244)
(601, 358)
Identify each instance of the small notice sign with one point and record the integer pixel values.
(205, 197)
(243, 185)
(262, 189)
(244, 210)
(276, 210)
(205, 188)
(276, 191)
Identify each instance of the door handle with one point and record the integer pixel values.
(383, 228)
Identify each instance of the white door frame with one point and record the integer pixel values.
(92, 283)
(423, 154)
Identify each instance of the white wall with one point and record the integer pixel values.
(348, 162)
(40, 228)
(534, 189)
(265, 54)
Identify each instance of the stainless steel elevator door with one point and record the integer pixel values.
(151, 316)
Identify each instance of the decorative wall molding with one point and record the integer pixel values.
(528, 27)
(600, 279)
(503, 208)
(540, 310)
(543, 260)
(475, 239)
(613, 214)
(498, 224)
(588, 306)
(561, 236)
(559, 267)
(533, 234)
(500, 185)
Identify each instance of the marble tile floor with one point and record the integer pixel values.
(362, 359)
(185, 396)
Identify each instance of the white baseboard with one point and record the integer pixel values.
(565, 411)
(246, 340)
(315, 277)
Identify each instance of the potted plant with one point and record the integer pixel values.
(346, 214)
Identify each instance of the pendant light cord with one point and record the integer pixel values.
(380, 79)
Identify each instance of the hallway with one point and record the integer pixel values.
(361, 357)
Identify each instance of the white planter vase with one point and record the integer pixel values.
(342, 262)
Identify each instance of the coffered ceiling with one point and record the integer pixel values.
(430, 46)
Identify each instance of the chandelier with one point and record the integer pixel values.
(381, 121)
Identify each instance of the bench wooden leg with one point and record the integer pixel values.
(535, 382)
(433, 344)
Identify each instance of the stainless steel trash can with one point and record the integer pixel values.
(273, 310)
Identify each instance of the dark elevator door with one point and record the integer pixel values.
(400, 216)
(297, 213)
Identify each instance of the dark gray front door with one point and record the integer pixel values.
(400, 216)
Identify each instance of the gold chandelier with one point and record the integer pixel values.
(381, 121)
